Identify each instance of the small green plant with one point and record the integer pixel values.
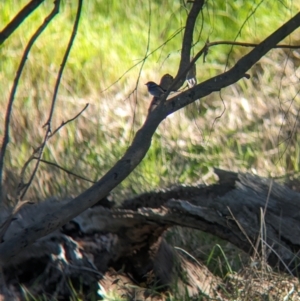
(218, 262)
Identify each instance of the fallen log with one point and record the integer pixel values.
(106, 242)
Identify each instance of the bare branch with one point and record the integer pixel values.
(66, 170)
(16, 82)
(179, 78)
(234, 74)
(187, 42)
(245, 44)
(70, 120)
(37, 150)
(60, 72)
(18, 19)
(64, 61)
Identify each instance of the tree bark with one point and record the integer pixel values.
(255, 214)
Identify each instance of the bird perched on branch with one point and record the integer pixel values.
(166, 81)
(154, 89)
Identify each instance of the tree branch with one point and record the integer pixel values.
(188, 41)
(60, 72)
(245, 44)
(18, 19)
(16, 82)
(45, 223)
(234, 74)
(69, 172)
(38, 149)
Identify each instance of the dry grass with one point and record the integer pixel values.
(255, 284)
(252, 125)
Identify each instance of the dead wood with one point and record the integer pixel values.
(127, 241)
(241, 208)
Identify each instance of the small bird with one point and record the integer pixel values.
(154, 89)
(166, 81)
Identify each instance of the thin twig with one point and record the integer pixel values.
(18, 19)
(60, 72)
(65, 170)
(205, 48)
(245, 44)
(279, 257)
(144, 58)
(64, 61)
(242, 230)
(70, 120)
(15, 85)
(262, 237)
(38, 149)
